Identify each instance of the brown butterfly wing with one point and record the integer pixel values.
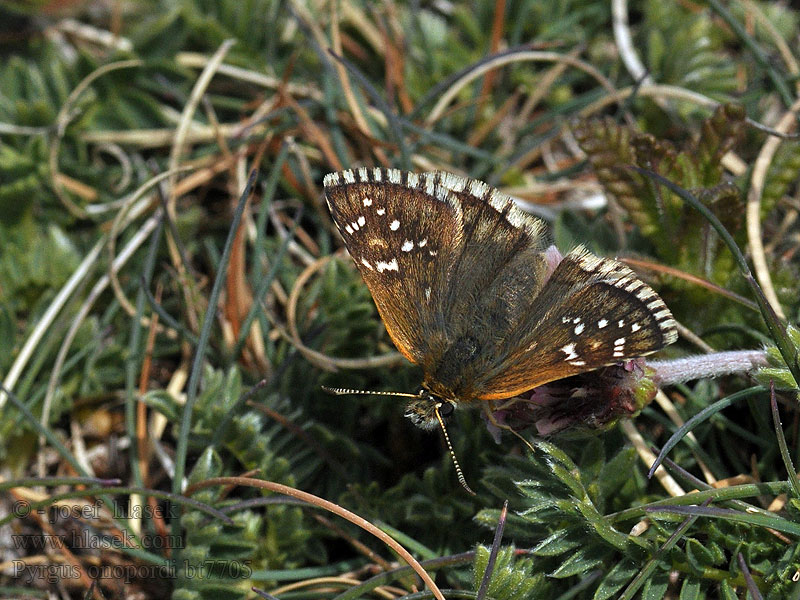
(403, 231)
(459, 276)
(499, 269)
(592, 312)
(445, 259)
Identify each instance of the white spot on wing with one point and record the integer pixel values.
(348, 229)
(394, 225)
(478, 188)
(602, 323)
(635, 327)
(361, 221)
(367, 264)
(579, 328)
(606, 267)
(515, 218)
(393, 175)
(387, 266)
(645, 293)
(633, 285)
(430, 184)
(621, 323)
(407, 246)
(427, 293)
(499, 201)
(348, 176)
(381, 212)
(367, 201)
(453, 182)
(422, 242)
(569, 350)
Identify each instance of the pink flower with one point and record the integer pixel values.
(590, 401)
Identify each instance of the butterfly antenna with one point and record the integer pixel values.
(348, 392)
(459, 473)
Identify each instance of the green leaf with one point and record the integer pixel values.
(655, 588)
(163, 402)
(781, 174)
(726, 591)
(699, 556)
(562, 466)
(718, 136)
(602, 527)
(580, 563)
(569, 478)
(208, 465)
(621, 574)
(690, 590)
(778, 371)
(617, 472)
(512, 578)
(559, 542)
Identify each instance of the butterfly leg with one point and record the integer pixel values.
(487, 410)
(507, 404)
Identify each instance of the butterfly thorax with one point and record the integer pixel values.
(422, 410)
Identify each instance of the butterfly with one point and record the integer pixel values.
(470, 291)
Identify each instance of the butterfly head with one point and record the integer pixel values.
(422, 410)
(426, 410)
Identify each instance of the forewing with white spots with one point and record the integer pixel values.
(451, 264)
(403, 231)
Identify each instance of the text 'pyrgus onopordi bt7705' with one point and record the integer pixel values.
(469, 290)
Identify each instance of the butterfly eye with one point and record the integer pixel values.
(446, 409)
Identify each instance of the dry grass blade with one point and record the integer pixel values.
(503, 59)
(62, 120)
(331, 507)
(757, 180)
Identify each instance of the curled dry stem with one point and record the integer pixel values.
(331, 507)
(176, 151)
(507, 58)
(65, 115)
(130, 210)
(323, 361)
(753, 211)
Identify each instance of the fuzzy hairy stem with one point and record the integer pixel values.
(668, 372)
